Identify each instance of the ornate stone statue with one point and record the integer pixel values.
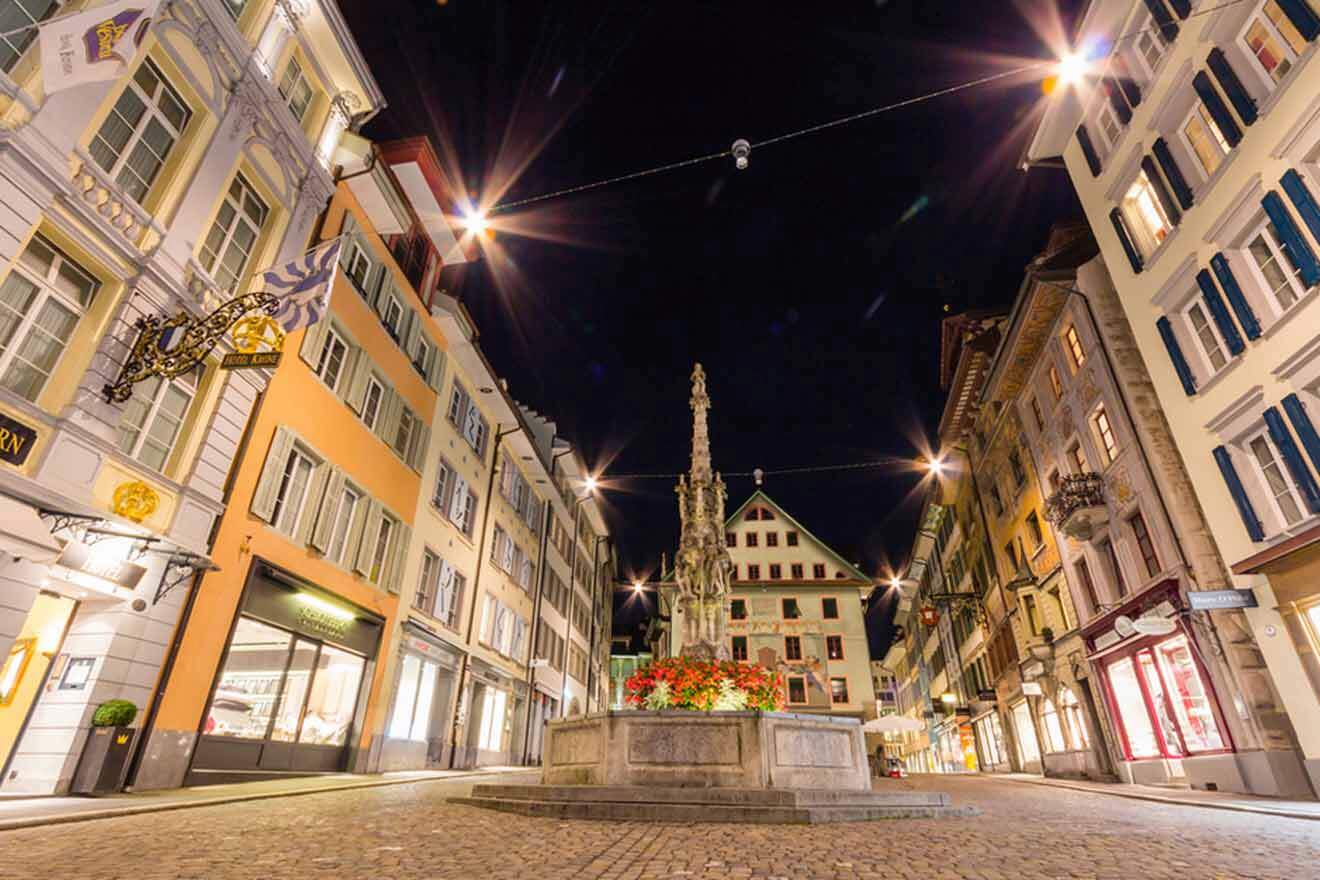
(702, 566)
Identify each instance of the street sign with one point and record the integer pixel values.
(986, 696)
(1215, 600)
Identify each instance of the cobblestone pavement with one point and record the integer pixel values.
(408, 831)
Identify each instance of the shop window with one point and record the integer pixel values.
(739, 648)
(1273, 40)
(412, 703)
(838, 690)
(797, 689)
(141, 131)
(1187, 692)
(834, 647)
(150, 423)
(494, 705)
(738, 609)
(41, 302)
(227, 249)
(249, 684)
(1049, 722)
(1140, 733)
(295, 89)
(1028, 747)
(790, 609)
(20, 28)
(792, 648)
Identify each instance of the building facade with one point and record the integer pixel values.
(1193, 156)
(154, 194)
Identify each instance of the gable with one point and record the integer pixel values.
(783, 541)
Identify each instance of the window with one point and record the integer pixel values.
(1110, 555)
(20, 26)
(403, 434)
(412, 704)
(1150, 45)
(1278, 270)
(233, 235)
(1145, 545)
(1033, 614)
(345, 510)
(739, 648)
(1071, 710)
(1011, 552)
(295, 89)
(464, 415)
(1088, 585)
(1273, 40)
(359, 267)
(730, 539)
(776, 571)
(767, 513)
(454, 498)
(1037, 414)
(1109, 125)
(141, 130)
(421, 358)
(235, 7)
(792, 648)
(1204, 139)
(751, 539)
(791, 539)
(1145, 215)
(371, 403)
(818, 571)
(753, 572)
(1075, 350)
(1015, 465)
(734, 573)
(1207, 337)
(750, 515)
(772, 539)
(834, 647)
(1033, 529)
(795, 571)
(391, 315)
(838, 690)
(996, 500)
(41, 302)
(1132, 711)
(797, 689)
(1049, 722)
(1078, 459)
(1105, 431)
(738, 609)
(1277, 483)
(790, 609)
(380, 549)
(292, 492)
(1056, 384)
(330, 365)
(151, 421)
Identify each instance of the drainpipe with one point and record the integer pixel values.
(466, 663)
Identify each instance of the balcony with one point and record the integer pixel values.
(1078, 508)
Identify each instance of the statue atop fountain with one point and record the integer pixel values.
(702, 567)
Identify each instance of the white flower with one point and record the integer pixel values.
(731, 699)
(659, 697)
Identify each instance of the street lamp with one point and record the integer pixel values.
(590, 484)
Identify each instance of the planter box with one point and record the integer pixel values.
(104, 759)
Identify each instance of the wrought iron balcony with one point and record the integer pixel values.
(1078, 507)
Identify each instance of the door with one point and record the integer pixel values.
(24, 670)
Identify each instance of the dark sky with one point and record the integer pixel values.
(810, 285)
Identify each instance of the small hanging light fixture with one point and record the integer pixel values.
(741, 149)
(758, 475)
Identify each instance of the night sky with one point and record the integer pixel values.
(809, 285)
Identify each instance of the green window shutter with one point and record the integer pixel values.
(421, 441)
(356, 384)
(400, 540)
(326, 512)
(412, 327)
(268, 486)
(366, 544)
(313, 341)
(387, 423)
(436, 374)
(313, 502)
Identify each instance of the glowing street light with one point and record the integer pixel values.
(590, 484)
(895, 583)
(936, 466)
(476, 221)
(1071, 68)
(638, 586)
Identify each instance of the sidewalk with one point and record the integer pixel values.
(1214, 800)
(26, 812)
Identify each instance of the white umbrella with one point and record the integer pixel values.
(893, 724)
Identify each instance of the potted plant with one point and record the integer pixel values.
(105, 754)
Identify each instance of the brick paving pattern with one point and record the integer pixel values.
(408, 831)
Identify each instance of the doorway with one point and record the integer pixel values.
(25, 670)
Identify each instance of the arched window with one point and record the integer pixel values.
(1049, 721)
(1072, 711)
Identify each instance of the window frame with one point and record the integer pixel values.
(831, 640)
(213, 259)
(1282, 259)
(834, 698)
(1262, 480)
(1106, 433)
(788, 690)
(1073, 345)
(150, 112)
(1145, 539)
(1196, 304)
(281, 505)
(372, 381)
(153, 411)
(1292, 54)
(332, 337)
(733, 648)
(796, 648)
(300, 77)
(353, 513)
(783, 608)
(1201, 114)
(1146, 239)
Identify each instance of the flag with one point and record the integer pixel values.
(303, 286)
(95, 45)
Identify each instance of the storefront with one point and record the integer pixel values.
(990, 735)
(291, 689)
(1024, 732)
(417, 733)
(495, 717)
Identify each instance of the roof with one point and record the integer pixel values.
(760, 497)
(968, 343)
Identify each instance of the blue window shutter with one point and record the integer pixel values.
(1217, 109)
(1293, 459)
(1160, 13)
(1299, 12)
(1219, 312)
(1120, 227)
(1245, 510)
(1302, 199)
(1298, 249)
(1175, 354)
(1304, 427)
(1088, 150)
(1161, 190)
(1243, 103)
(1173, 173)
(1227, 280)
(1182, 7)
(1116, 100)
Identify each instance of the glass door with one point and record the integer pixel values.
(1159, 704)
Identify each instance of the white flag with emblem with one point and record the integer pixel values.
(303, 286)
(95, 45)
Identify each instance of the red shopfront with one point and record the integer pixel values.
(1158, 691)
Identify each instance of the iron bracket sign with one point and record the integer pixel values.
(1219, 600)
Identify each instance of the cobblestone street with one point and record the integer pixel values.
(408, 831)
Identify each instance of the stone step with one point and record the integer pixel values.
(741, 797)
(615, 811)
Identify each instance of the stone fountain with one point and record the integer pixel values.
(679, 765)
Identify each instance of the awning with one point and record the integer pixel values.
(23, 533)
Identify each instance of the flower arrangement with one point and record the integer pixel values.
(705, 686)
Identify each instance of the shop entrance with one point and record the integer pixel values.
(25, 669)
(1164, 705)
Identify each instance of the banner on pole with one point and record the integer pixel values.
(92, 46)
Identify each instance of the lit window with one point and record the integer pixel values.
(1277, 268)
(1106, 433)
(233, 235)
(1207, 337)
(1273, 40)
(295, 89)
(151, 421)
(834, 647)
(1276, 481)
(41, 302)
(141, 130)
(1075, 350)
(1145, 215)
(1205, 139)
(838, 690)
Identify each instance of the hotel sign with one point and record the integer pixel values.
(16, 440)
(1218, 600)
(104, 566)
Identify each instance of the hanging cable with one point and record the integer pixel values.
(808, 469)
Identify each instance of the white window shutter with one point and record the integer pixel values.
(328, 510)
(313, 503)
(458, 502)
(444, 598)
(358, 380)
(444, 486)
(398, 556)
(413, 329)
(367, 544)
(272, 472)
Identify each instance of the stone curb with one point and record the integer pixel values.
(1138, 796)
(168, 806)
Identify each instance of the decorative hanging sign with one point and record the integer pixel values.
(249, 335)
(929, 615)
